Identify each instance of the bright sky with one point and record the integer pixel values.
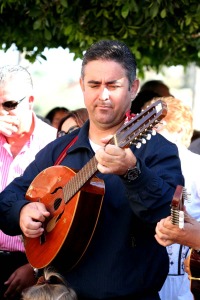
(56, 81)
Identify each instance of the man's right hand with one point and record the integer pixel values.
(32, 216)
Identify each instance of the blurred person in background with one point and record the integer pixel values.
(149, 90)
(195, 142)
(56, 114)
(44, 119)
(157, 86)
(22, 135)
(195, 135)
(140, 100)
(75, 119)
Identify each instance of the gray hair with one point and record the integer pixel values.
(15, 72)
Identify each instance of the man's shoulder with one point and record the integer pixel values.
(44, 132)
(41, 125)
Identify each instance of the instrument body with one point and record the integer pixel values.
(70, 226)
(194, 263)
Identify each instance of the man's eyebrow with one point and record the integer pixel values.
(98, 82)
(93, 81)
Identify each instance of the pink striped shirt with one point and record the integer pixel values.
(11, 168)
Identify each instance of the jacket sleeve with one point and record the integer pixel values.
(150, 195)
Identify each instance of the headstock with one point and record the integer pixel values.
(140, 128)
(177, 206)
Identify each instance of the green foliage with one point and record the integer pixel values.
(159, 32)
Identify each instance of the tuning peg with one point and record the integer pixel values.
(153, 132)
(138, 145)
(142, 140)
(148, 137)
(181, 219)
(187, 196)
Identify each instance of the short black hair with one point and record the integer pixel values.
(115, 51)
(50, 115)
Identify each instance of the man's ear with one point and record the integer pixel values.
(31, 101)
(134, 88)
(81, 84)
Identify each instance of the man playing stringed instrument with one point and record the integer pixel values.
(123, 259)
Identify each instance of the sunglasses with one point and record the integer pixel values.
(12, 104)
(62, 132)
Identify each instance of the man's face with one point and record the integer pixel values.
(107, 93)
(14, 90)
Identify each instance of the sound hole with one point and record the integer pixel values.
(57, 203)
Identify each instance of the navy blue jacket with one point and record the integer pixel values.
(123, 257)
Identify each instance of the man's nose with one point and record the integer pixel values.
(105, 94)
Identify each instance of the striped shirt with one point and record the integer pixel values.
(11, 168)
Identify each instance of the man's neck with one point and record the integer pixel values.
(96, 134)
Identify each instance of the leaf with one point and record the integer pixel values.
(132, 31)
(106, 13)
(37, 24)
(68, 29)
(125, 35)
(163, 13)
(154, 10)
(64, 3)
(188, 20)
(160, 44)
(47, 34)
(125, 11)
(2, 7)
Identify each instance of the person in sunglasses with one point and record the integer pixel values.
(22, 135)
